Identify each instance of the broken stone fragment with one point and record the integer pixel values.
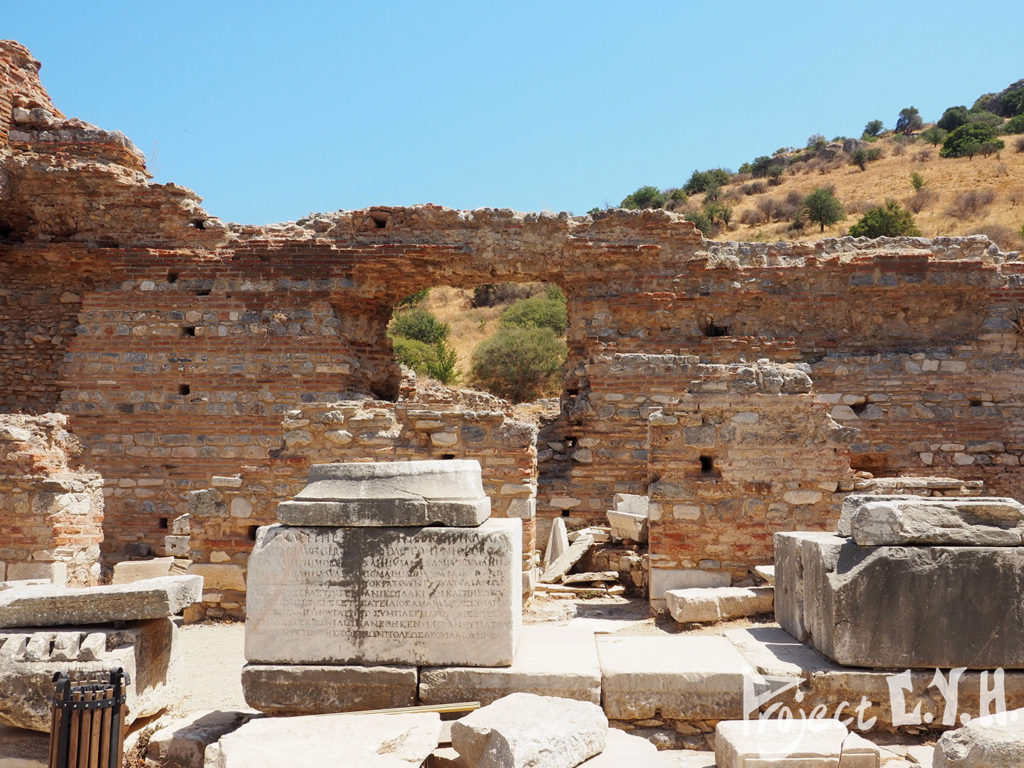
(565, 561)
(523, 730)
(993, 741)
(982, 522)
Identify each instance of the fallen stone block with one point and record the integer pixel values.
(393, 494)
(718, 603)
(664, 579)
(183, 743)
(528, 731)
(591, 577)
(622, 749)
(128, 571)
(360, 741)
(558, 541)
(147, 650)
(993, 741)
(550, 661)
(791, 744)
(766, 573)
(367, 596)
(565, 561)
(627, 525)
(671, 677)
(53, 606)
(854, 501)
(296, 689)
(898, 607)
(976, 521)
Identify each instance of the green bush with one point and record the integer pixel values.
(435, 360)
(917, 180)
(890, 220)
(415, 298)
(822, 208)
(983, 117)
(1013, 103)
(1015, 125)
(966, 140)
(861, 157)
(412, 353)
(537, 312)
(703, 222)
(644, 197)
(701, 181)
(953, 118)
(519, 363)
(419, 324)
(873, 128)
(934, 135)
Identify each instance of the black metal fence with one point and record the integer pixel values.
(87, 730)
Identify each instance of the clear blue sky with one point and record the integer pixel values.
(272, 110)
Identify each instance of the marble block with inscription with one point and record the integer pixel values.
(393, 493)
(426, 596)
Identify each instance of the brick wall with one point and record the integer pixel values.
(223, 518)
(51, 515)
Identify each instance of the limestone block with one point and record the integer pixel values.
(628, 525)
(558, 541)
(622, 749)
(397, 493)
(782, 744)
(351, 740)
(54, 571)
(178, 545)
(914, 607)
(766, 572)
(523, 730)
(736, 602)
(183, 743)
(664, 579)
(854, 501)
(631, 502)
(789, 581)
(147, 650)
(675, 677)
(51, 605)
(550, 661)
(426, 596)
(565, 561)
(977, 521)
(296, 689)
(696, 604)
(128, 571)
(220, 577)
(994, 741)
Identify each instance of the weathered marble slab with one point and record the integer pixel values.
(146, 650)
(976, 521)
(301, 689)
(54, 606)
(902, 607)
(396, 493)
(427, 596)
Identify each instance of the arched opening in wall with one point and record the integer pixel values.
(504, 338)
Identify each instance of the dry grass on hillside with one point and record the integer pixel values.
(995, 184)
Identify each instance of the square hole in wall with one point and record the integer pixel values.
(184, 389)
(172, 277)
(447, 456)
(707, 465)
(163, 524)
(188, 330)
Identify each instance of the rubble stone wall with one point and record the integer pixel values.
(224, 518)
(51, 515)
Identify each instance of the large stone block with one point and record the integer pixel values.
(899, 607)
(394, 493)
(978, 521)
(359, 741)
(146, 650)
(54, 606)
(183, 743)
(528, 731)
(297, 689)
(791, 744)
(664, 579)
(672, 677)
(426, 596)
(550, 661)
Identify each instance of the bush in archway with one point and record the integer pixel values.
(519, 363)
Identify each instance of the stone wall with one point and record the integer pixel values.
(178, 343)
(443, 424)
(51, 515)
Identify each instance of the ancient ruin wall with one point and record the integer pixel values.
(449, 425)
(177, 343)
(51, 515)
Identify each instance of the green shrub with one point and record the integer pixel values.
(1013, 103)
(917, 180)
(890, 220)
(861, 156)
(701, 181)
(412, 353)
(419, 324)
(822, 208)
(644, 197)
(436, 360)
(983, 117)
(703, 222)
(415, 298)
(953, 118)
(816, 141)
(537, 312)
(491, 294)
(966, 140)
(934, 135)
(873, 128)
(519, 363)
(1014, 125)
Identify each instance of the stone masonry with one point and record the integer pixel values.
(177, 343)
